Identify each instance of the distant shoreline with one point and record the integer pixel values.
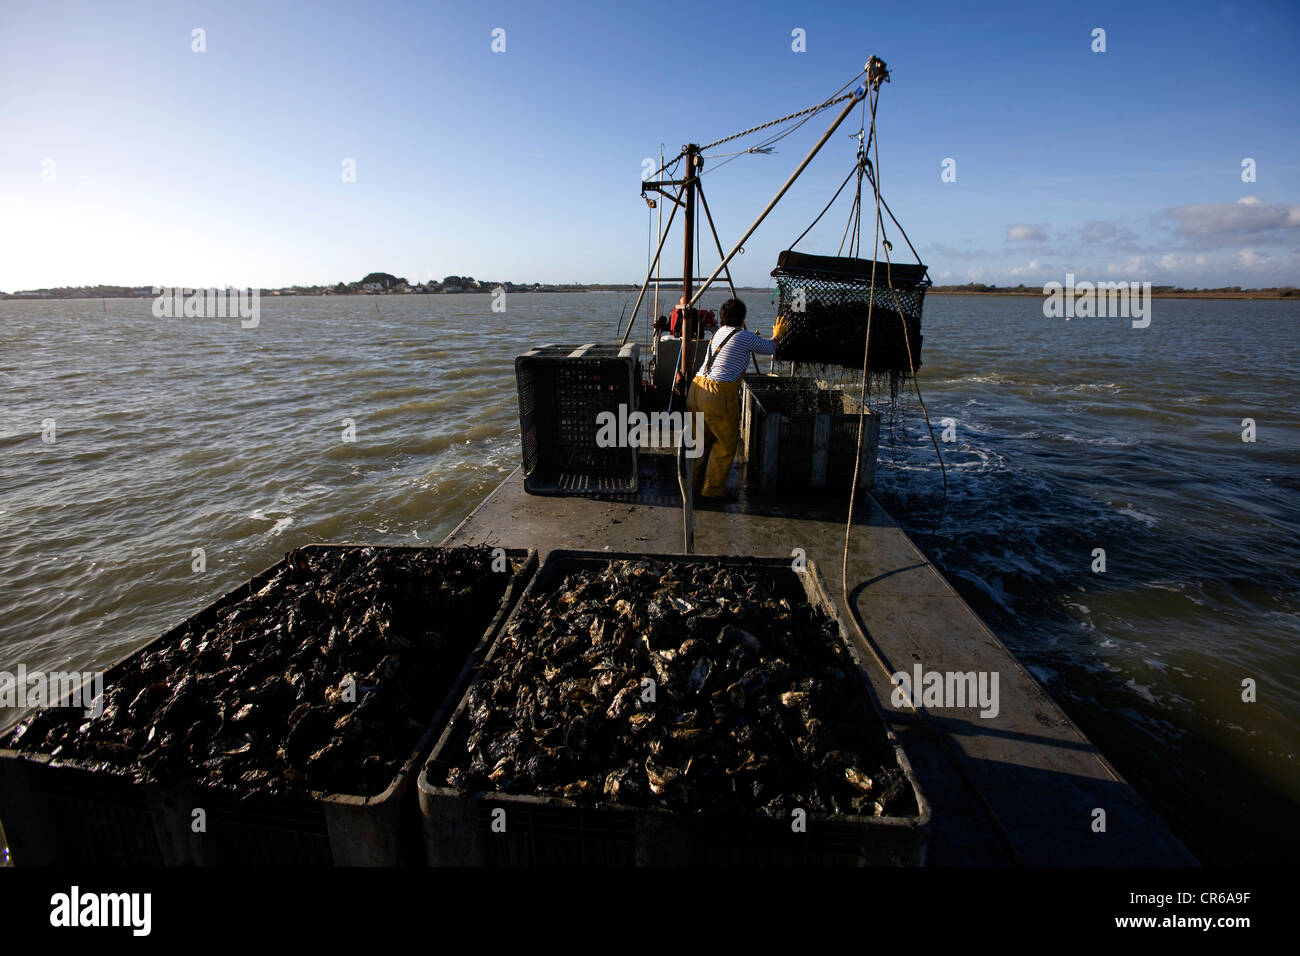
(39, 295)
(1169, 294)
(127, 293)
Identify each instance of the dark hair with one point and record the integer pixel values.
(732, 312)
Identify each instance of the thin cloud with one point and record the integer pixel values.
(1098, 231)
(1248, 221)
(1022, 232)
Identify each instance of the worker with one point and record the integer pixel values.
(715, 392)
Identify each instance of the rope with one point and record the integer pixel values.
(872, 180)
(907, 341)
(848, 526)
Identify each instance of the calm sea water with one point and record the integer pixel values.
(173, 435)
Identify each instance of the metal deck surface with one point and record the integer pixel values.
(1020, 787)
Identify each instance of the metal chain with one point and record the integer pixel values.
(783, 119)
(873, 80)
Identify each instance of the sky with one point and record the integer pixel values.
(137, 151)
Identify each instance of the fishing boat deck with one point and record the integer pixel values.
(1028, 772)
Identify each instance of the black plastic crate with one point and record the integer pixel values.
(562, 390)
(796, 434)
(760, 382)
(74, 817)
(553, 831)
(62, 813)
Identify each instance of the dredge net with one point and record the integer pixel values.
(823, 303)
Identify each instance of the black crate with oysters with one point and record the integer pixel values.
(291, 712)
(667, 710)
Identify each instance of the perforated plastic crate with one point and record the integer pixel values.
(796, 434)
(552, 831)
(562, 391)
(63, 813)
(759, 382)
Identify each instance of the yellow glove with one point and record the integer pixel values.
(778, 327)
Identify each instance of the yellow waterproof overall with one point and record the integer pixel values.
(720, 403)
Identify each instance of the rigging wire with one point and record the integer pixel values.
(650, 333)
(851, 611)
(717, 242)
(853, 228)
(698, 259)
(739, 152)
(824, 210)
(863, 168)
(809, 111)
(650, 246)
(667, 167)
(911, 363)
(802, 115)
(871, 179)
(854, 213)
(764, 145)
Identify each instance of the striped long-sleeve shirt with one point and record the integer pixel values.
(732, 358)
